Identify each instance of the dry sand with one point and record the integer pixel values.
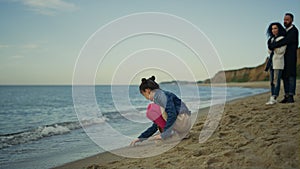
(250, 135)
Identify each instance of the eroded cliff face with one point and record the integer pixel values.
(248, 74)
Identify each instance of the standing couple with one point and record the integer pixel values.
(283, 45)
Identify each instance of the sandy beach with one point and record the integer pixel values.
(249, 135)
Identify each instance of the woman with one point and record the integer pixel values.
(275, 33)
(177, 115)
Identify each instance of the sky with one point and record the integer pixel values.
(41, 41)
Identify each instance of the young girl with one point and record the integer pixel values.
(275, 33)
(175, 112)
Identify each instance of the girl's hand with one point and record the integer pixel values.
(134, 141)
(157, 137)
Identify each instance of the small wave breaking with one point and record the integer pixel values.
(7, 140)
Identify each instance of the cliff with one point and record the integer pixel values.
(248, 74)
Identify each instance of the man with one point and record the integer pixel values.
(290, 58)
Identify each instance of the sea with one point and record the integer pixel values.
(43, 126)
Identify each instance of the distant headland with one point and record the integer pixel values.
(247, 74)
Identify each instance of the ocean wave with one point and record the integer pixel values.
(7, 140)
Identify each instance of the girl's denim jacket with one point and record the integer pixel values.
(173, 106)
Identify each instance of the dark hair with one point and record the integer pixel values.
(148, 84)
(281, 30)
(291, 15)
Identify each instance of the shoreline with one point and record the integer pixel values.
(258, 84)
(245, 133)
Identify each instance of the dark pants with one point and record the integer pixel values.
(289, 84)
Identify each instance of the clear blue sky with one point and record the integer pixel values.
(40, 40)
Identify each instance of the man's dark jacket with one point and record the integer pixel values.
(290, 56)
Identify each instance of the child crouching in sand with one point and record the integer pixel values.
(168, 113)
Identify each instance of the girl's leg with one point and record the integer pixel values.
(183, 124)
(154, 113)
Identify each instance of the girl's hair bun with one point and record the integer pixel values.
(144, 80)
(152, 78)
(148, 84)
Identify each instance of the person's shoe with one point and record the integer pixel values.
(284, 100)
(271, 101)
(290, 99)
